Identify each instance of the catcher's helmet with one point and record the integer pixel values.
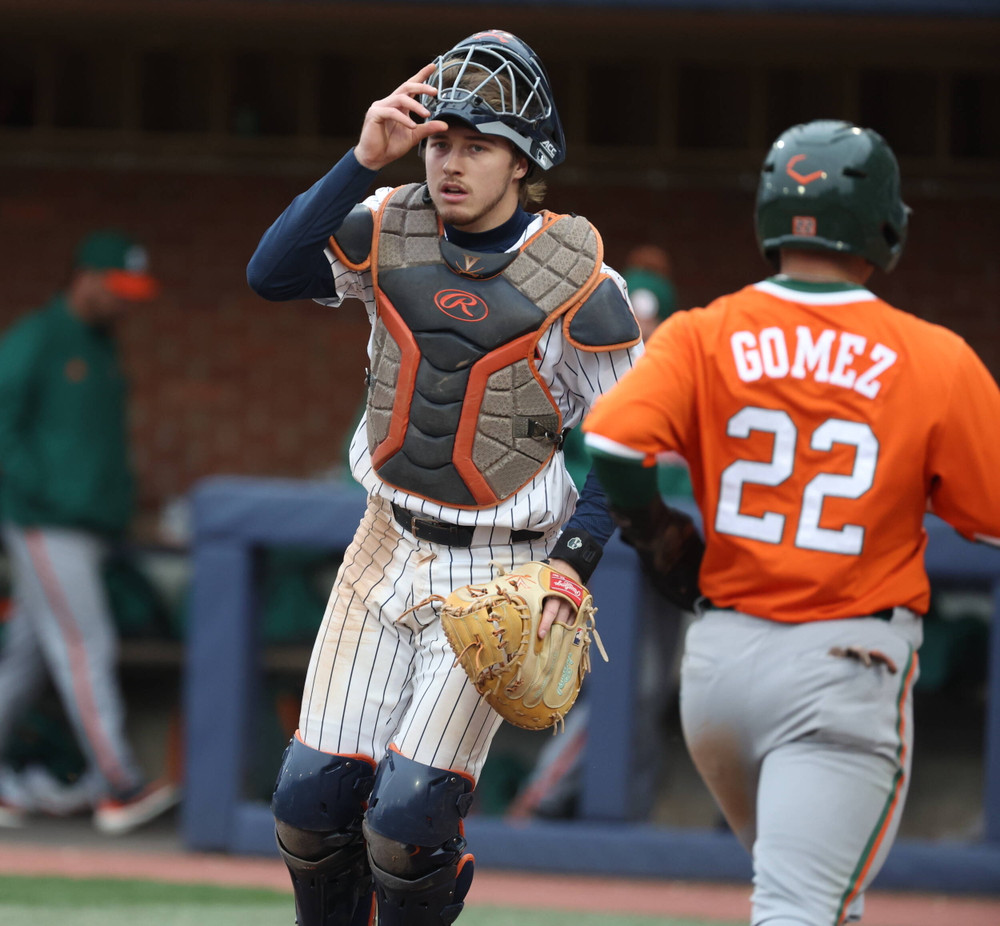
(830, 185)
(494, 82)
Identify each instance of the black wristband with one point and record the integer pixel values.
(576, 547)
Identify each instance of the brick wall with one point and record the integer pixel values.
(223, 382)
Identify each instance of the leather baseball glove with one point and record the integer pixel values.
(493, 630)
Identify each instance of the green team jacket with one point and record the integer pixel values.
(64, 458)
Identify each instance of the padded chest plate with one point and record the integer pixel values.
(457, 412)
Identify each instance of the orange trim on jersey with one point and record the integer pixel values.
(405, 381)
(465, 433)
(891, 804)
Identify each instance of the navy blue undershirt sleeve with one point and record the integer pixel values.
(591, 512)
(289, 262)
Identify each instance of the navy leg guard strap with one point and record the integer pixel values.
(436, 899)
(333, 891)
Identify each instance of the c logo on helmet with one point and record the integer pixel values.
(804, 179)
(458, 304)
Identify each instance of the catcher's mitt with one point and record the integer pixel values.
(493, 630)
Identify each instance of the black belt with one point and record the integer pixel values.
(884, 615)
(452, 535)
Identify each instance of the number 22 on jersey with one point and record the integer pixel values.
(770, 527)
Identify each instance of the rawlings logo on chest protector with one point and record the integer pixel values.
(457, 412)
(461, 305)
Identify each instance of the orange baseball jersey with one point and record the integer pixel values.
(819, 424)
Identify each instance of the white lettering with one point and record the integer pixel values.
(884, 358)
(766, 355)
(746, 355)
(850, 346)
(774, 352)
(813, 355)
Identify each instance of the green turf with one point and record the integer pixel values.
(108, 892)
(30, 901)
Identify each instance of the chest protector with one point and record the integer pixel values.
(457, 412)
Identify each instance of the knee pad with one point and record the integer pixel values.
(416, 849)
(318, 805)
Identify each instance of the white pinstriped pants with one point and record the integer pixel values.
(378, 678)
(62, 625)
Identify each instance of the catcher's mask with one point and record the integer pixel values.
(834, 186)
(495, 83)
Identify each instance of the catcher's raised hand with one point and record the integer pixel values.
(389, 130)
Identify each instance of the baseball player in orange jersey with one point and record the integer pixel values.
(820, 424)
(493, 330)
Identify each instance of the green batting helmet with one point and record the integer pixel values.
(832, 186)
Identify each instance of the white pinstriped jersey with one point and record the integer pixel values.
(574, 377)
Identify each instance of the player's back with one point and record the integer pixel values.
(819, 432)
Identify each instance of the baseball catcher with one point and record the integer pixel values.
(494, 329)
(493, 630)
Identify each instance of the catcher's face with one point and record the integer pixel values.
(473, 179)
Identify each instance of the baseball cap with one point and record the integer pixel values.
(124, 260)
(652, 295)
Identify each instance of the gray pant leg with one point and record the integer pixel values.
(22, 671)
(807, 752)
(56, 573)
(823, 808)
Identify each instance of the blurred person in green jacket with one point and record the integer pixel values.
(66, 491)
(648, 275)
